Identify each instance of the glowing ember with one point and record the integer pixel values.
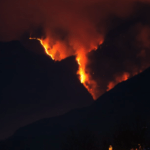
(83, 75)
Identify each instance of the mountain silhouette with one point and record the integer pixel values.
(33, 86)
(124, 108)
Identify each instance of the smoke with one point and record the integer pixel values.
(75, 27)
(62, 20)
(124, 53)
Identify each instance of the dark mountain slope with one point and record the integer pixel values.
(32, 87)
(124, 108)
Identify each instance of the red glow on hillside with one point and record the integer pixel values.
(57, 53)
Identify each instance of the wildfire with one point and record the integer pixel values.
(118, 79)
(58, 52)
(45, 46)
(84, 74)
(81, 71)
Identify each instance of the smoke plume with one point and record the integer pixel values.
(76, 27)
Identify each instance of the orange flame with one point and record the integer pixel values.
(118, 79)
(81, 71)
(110, 147)
(45, 46)
(84, 74)
(58, 52)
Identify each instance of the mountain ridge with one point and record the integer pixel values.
(119, 107)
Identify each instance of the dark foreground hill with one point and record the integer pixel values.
(120, 117)
(33, 86)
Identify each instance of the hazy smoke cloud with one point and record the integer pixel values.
(75, 25)
(81, 20)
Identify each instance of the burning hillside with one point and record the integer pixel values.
(57, 54)
(77, 27)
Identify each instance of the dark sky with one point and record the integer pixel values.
(33, 86)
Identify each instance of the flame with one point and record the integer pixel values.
(81, 71)
(110, 147)
(84, 74)
(45, 46)
(118, 79)
(58, 51)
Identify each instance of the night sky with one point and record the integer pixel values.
(33, 86)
